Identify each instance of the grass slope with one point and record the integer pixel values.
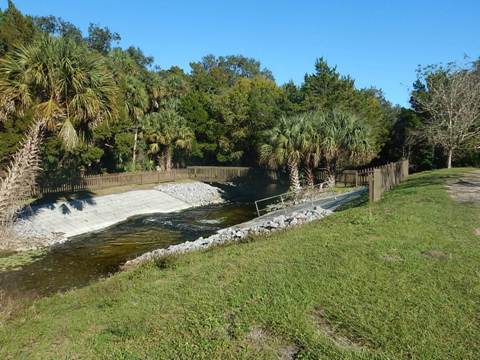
(397, 279)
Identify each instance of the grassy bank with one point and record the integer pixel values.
(397, 279)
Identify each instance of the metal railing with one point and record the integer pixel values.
(283, 201)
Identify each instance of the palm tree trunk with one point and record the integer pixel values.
(293, 175)
(135, 140)
(19, 182)
(332, 169)
(168, 158)
(309, 176)
(331, 181)
(162, 161)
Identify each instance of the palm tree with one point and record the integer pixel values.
(312, 153)
(66, 87)
(63, 86)
(136, 103)
(130, 77)
(286, 144)
(163, 132)
(344, 139)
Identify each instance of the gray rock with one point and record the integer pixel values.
(236, 233)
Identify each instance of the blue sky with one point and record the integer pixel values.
(378, 42)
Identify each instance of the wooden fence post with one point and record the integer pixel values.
(405, 166)
(370, 188)
(375, 185)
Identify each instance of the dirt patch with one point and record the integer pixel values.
(436, 254)
(258, 337)
(466, 189)
(288, 352)
(328, 329)
(262, 340)
(477, 231)
(391, 258)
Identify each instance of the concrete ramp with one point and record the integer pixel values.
(73, 217)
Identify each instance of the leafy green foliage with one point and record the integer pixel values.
(58, 27)
(344, 140)
(101, 38)
(165, 132)
(15, 29)
(328, 90)
(62, 83)
(11, 133)
(60, 164)
(334, 139)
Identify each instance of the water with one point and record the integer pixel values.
(90, 256)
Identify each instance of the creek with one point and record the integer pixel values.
(88, 257)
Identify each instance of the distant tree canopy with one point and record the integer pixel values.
(15, 28)
(326, 90)
(442, 128)
(221, 108)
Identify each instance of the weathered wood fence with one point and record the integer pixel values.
(385, 177)
(216, 173)
(96, 182)
(378, 179)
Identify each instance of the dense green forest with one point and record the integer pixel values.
(108, 109)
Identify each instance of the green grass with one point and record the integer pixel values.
(355, 285)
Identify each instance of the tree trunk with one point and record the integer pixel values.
(135, 139)
(331, 181)
(332, 170)
(19, 182)
(168, 158)
(161, 161)
(449, 159)
(293, 175)
(309, 176)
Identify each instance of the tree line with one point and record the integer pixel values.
(100, 108)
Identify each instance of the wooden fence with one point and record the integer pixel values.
(385, 177)
(378, 179)
(349, 177)
(216, 173)
(96, 182)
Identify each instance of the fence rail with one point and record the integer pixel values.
(219, 173)
(379, 179)
(349, 177)
(385, 177)
(96, 182)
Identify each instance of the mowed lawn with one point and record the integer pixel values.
(399, 279)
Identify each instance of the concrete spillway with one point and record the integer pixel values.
(73, 217)
(55, 222)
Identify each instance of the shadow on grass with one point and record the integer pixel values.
(360, 201)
